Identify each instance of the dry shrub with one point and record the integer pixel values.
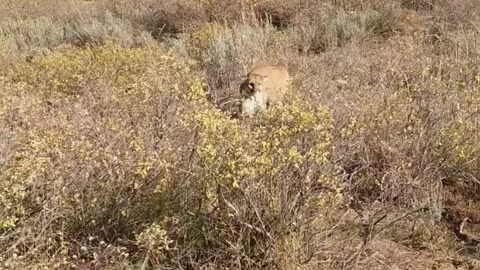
(394, 128)
(226, 11)
(115, 155)
(323, 26)
(406, 135)
(103, 28)
(111, 157)
(35, 30)
(457, 15)
(412, 23)
(46, 8)
(452, 25)
(257, 188)
(21, 38)
(420, 4)
(32, 37)
(65, 72)
(280, 14)
(160, 18)
(226, 54)
(90, 146)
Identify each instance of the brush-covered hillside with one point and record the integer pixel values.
(118, 149)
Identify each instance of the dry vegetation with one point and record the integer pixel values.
(115, 151)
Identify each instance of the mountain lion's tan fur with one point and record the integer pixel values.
(264, 86)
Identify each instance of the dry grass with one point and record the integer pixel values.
(114, 155)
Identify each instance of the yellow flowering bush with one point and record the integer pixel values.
(264, 163)
(200, 41)
(231, 154)
(459, 144)
(154, 238)
(95, 140)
